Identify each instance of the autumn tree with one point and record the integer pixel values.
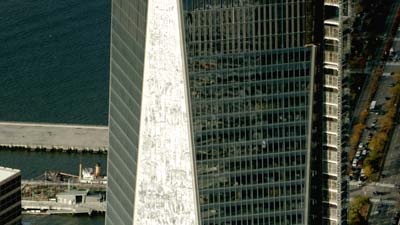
(377, 143)
(386, 123)
(357, 130)
(363, 115)
(368, 170)
(358, 210)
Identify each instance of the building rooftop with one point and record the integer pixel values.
(72, 193)
(6, 173)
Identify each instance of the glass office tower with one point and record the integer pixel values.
(253, 79)
(128, 28)
(251, 82)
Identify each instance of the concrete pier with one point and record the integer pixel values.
(51, 207)
(53, 137)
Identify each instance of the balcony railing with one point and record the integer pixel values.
(332, 2)
(332, 57)
(331, 81)
(331, 32)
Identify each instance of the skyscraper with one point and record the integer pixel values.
(258, 73)
(10, 196)
(251, 79)
(151, 159)
(331, 182)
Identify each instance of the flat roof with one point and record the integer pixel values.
(68, 193)
(6, 173)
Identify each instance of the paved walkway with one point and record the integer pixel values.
(54, 136)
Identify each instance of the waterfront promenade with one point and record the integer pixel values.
(53, 137)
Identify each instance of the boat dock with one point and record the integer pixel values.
(53, 137)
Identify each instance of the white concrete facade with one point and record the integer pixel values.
(165, 190)
(334, 117)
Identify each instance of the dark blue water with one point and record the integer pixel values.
(54, 60)
(54, 63)
(64, 220)
(34, 164)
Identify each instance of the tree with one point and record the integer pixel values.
(373, 159)
(358, 210)
(396, 77)
(355, 137)
(376, 144)
(389, 105)
(391, 113)
(395, 91)
(363, 115)
(368, 170)
(386, 123)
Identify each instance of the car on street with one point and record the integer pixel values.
(378, 193)
(360, 164)
(356, 174)
(364, 152)
(373, 125)
(354, 164)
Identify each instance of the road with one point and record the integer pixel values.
(384, 194)
(373, 63)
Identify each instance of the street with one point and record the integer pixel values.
(384, 195)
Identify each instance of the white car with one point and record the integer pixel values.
(362, 174)
(364, 152)
(355, 161)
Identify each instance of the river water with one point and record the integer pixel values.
(54, 62)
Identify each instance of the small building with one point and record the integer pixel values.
(72, 197)
(10, 196)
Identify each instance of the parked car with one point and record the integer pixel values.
(354, 164)
(364, 152)
(360, 164)
(356, 174)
